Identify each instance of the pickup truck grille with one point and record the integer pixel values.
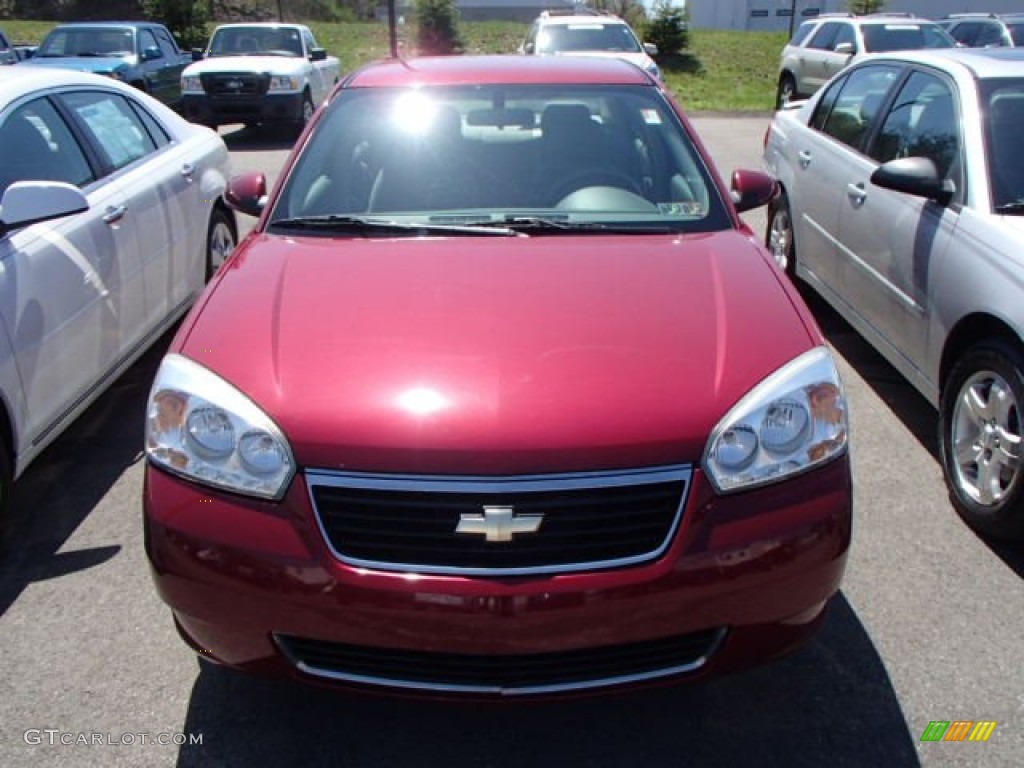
(584, 521)
(229, 84)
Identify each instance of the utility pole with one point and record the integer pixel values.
(792, 16)
(392, 29)
(280, 11)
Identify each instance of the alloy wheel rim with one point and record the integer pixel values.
(986, 438)
(222, 242)
(780, 237)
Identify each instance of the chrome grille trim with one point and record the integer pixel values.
(505, 691)
(454, 484)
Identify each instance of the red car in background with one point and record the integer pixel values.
(499, 398)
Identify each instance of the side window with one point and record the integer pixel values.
(825, 36)
(965, 32)
(36, 145)
(116, 129)
(990, 34)
(825, 104)
(155, 130)
(803, 32)
(310, 41)
(923, 122)
(147, 41)
(845, 35)
(170, 48)
(858, 102)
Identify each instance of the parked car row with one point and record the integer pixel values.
(501, 397)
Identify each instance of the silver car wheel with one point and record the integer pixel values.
(986, 438)
(780, 236)
(220, 242)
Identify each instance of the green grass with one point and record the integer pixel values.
(721, 70)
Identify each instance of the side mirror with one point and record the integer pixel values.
(148, 54)
(198, 54)
(247, 193)
(650, 49)
(317, 54)
(847, 48)
(916, 176)
(29, 202)
(752, 189)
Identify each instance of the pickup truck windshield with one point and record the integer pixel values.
(95, 41)
(256, 41)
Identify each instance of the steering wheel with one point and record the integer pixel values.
(595, 178)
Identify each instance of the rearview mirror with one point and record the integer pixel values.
(148, 54)
(650, 49)
(916, 176)
(247, 193)
(847, 48)
(29, 202)
(318, 54)
(752, 189)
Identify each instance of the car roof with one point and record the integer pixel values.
(582, 18)
(17, 81)
(498, 70)
(982, 63)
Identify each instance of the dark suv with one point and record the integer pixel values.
(985, 30)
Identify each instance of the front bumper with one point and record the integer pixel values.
(745, 578)
(244, 108)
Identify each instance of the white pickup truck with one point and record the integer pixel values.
(257, 74)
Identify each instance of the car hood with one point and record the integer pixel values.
(496, 355)
(97, 65)
(281, 65)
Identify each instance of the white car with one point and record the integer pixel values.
(258, 74)
(589, 33)
(902, 205)
(111, 222)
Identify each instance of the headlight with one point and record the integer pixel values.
(191, 84)
(793, 420)
(281, 83)
(202, 428)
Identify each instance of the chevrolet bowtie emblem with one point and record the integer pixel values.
(498, 523)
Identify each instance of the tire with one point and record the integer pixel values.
(221, 238)
(6, 486)
(307, 112)
(981, 425)
(786, 91)
(778, 237)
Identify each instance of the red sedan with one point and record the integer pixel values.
(500, 397)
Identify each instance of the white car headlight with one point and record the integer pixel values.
(282, 83)
(201, 427)
(191, 84)
(793, 420)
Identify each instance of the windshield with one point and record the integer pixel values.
(586, 36)
(1004, 110)
(879, 38)
(256, 41)
(94, 41)
(549, 157)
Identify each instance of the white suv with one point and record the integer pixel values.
(593, 33)
(824, 45)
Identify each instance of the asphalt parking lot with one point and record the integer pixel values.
(928, 625)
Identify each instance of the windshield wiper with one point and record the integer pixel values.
(1017, 206)
(561, 225)
(365, 226)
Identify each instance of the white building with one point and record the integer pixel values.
(776, 14)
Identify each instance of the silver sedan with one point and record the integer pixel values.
(903, 200)
(111, 222)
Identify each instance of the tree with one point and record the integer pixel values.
(185, 18)
(630, 10)
(668, 29)
(865, 6)
(438, 27)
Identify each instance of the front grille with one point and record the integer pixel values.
(510, 675)
(590, 521)
(231, 84)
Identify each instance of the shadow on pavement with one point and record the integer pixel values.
(259, 138)
(831, 703)
(908, 405)
(63, 485)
